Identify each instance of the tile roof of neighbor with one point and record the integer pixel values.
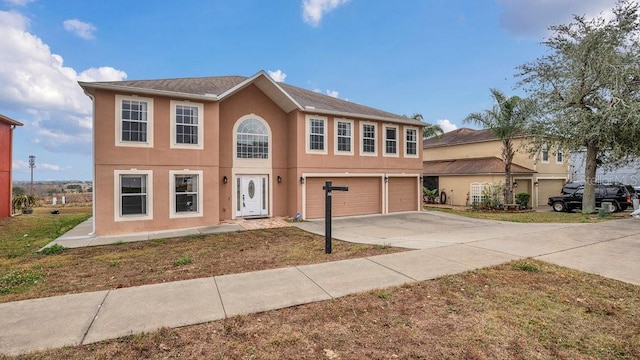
(215, 86)
(459, 136)
(471, 166)
(9, 121)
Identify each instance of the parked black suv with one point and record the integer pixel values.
(618, 195)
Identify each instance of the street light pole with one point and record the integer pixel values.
(32, 164)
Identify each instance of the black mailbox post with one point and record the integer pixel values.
(327, 213)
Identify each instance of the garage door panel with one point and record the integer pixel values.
(364, 197)
(403, 194)
(548, 188)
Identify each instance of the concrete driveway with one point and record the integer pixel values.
(610, 249)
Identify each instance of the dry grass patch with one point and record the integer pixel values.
(156, 261)
(506, 312)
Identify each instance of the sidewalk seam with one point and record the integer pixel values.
(314, 282)
(394, 270)
(84, 336)
(215, 282)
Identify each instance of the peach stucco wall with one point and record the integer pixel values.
(289, 159)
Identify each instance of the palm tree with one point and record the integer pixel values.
(429, 130)
(507, 119)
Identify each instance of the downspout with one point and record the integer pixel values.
(93, 155)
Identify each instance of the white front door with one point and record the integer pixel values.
(252, 195)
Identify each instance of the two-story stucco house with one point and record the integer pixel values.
(460, 160)
(6, 150)
(192, 152)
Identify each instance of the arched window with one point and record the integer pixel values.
(252, 140)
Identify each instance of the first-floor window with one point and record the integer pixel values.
(133, 193)
(186, 193)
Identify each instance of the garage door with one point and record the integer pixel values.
(547, 188)
(364, 197)
(403, 194)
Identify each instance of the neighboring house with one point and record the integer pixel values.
(462, 160)
(193, 152)
(6, 154)
(628, 175)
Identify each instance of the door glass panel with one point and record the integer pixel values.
(252, 189)
(238, 193)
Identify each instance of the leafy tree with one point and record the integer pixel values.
(429, 130)
(507, 119)
(588, 87)
(18, 190)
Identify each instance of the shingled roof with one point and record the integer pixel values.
(459, 136)
(10, 121)
(217, 88)
(473, 166)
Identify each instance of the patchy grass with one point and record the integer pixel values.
(66, 271)
(531, 216)
(494, 313)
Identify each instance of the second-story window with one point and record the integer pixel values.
(344, 137)
(368, 139)
(316, 134)
(187, 125)
(134, 117)
(559, 156)
(544, 154)
(134, 122)
(391, 140)
(411, 142)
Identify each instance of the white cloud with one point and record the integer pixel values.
(332, 93)
(277, 75)
(314, 10)
(446, 125)
(80, 28)
(24, 165)
(35, 81)
(533, 17)
(18, 2)
(51, 167)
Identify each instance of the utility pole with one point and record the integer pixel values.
(32, 164)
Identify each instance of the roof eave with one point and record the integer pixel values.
(285, 101)
(407, 121)
(144, 91)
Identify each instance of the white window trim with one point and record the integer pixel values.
(561, 153)
(375, 130)
(117, 198)
(406, 154)
(544, 149)
(118, 121)
(385, 153)
(335, 131)
(307, 134)
(172, 141)
(172, 194)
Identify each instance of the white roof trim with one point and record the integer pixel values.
(350, 115)
(138, 90)
(251, 80)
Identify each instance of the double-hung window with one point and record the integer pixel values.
(134, 121)
(390, 140)
(316, 134)
(186, 193)
(559, 156)
(544, 154)
(187, 125)
(411, 142)
(368, 135)
(134, 195)
(344, 137)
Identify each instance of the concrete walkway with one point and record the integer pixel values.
(446, 244)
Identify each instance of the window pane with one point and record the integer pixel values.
(133, 193)
(252, 140)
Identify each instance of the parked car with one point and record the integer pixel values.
(620, 197)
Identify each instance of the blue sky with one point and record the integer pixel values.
(434, 57)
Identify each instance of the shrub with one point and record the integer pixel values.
(522, 199)
(54, 249)
(492, 195)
